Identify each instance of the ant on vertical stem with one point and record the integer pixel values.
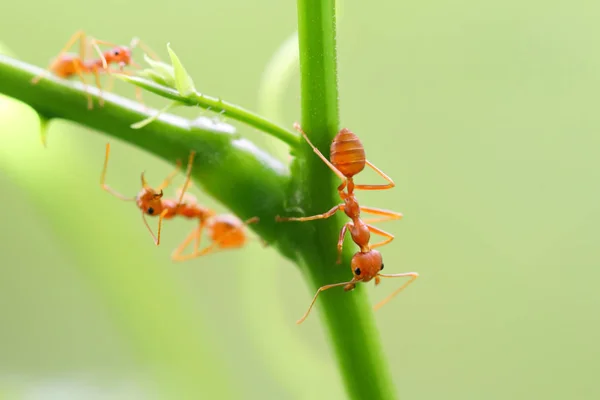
(66, 65)
(226, 231)
(348, 159)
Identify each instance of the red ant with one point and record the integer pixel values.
(66, 65)
(226, 231)
(348, 159)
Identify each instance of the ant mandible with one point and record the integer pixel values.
(226, 231)
(66, 65)
(348, 159)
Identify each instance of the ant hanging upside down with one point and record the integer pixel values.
(226, 231)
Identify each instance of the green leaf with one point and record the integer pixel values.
(44, 122)
(183, 81)
(161, 73)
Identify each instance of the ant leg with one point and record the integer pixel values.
(213, 246)
(105, 43)
(103, 178)
(94, 44)
(341, 241)
(111, 82)
(321, 156)
(138, 95)
(187, 198)
(413, 275)
(389, 185)
(199, 236)
(188, 176)
(78, 69)
(342, 187)
(313, 217)
(389, 237)
(160, 219)
(89, 95)
(138, 90)
(322, 288)
(79, 35)
(99, 85)
(170, 177)
(195, 234)
(386, 215)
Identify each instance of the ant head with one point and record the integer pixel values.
(149, 200)
(366, 266)
(120, 55)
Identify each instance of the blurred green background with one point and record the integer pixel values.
(484, 113)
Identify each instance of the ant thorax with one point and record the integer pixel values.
(351, 207)
(361, 235)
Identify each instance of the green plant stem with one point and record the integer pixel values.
(349, 320)
(217, 105)
(225, 164)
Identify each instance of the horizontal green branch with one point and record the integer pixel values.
(228, 167)
(219, 106)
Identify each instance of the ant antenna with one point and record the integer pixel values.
(144, 183)
(322, 288)
(135, 42)
(160, 218)
(103, 179)
(413, 276)
(170, 177)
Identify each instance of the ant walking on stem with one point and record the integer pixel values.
(226, 231)
(348, 159)
(66, 65)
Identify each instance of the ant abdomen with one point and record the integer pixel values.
(347, 153)
(228, 231)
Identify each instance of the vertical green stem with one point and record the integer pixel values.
(347, 316)
(318, 67)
